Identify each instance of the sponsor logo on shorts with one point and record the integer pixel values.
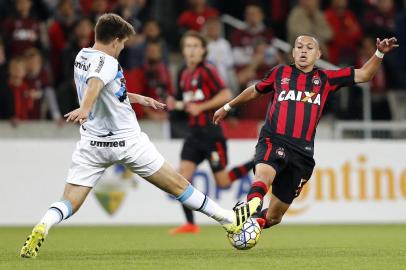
(108, 144)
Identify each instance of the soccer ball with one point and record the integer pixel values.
(247, 237)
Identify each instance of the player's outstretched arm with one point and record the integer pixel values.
(369, 69)
(248, 94)
(146, 101)
(94, 85)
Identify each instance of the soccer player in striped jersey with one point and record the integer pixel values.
(110, 134)
(200, 91)
(284, 152)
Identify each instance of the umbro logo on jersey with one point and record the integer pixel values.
(285, 81)
(82, 66)
(107, 144)
(309, 97)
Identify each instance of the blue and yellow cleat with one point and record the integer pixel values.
(34, 242)
(242, 212)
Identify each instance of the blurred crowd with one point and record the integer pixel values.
(40, 38)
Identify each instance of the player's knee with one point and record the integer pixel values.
(263, 178)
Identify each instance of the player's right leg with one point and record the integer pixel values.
(192, 155)
(73, 198)
(168, 180)
(187, 168)
(270, 158)
(143, 159)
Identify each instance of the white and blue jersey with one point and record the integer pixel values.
(112, 116)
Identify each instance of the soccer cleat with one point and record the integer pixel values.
(261, 222)
(242, 212)
(186, 228)
(34, 241)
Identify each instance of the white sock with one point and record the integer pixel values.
(195, 200)
(57, 212)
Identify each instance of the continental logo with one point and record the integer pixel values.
(309, 97)
(351, 182)
(108, 144)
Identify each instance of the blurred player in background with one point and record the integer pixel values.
(110, 134)
(284, 152)
(200, 91)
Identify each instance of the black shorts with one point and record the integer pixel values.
(197, 148)
(293, 169)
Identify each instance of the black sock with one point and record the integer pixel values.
(240, 171)
(188, 214)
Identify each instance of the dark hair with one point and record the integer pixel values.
(111, 26)
(196, 35)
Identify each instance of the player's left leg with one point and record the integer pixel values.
(88, 165)
(73, 198)
(273, 215)
(285, 188)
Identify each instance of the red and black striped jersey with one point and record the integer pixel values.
(298, 101)
(198, 86)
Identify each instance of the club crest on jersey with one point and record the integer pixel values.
(310, 97)
(316, 81)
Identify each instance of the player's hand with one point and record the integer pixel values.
(219, 115)
(171, 103)
(194, 109)
(79, 115)
(150, 102)
(386, 45)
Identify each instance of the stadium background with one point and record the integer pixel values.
(360, 176)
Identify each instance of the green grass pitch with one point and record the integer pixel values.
(282, 247)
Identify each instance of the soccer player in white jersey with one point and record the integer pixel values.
(110, 134)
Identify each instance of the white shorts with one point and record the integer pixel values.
(92, 157)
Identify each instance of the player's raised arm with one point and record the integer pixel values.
(94, 85)
(248, 94)
(369, 69)
(146, 101)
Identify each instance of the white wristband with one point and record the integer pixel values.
(379, 54)
(227, 107)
